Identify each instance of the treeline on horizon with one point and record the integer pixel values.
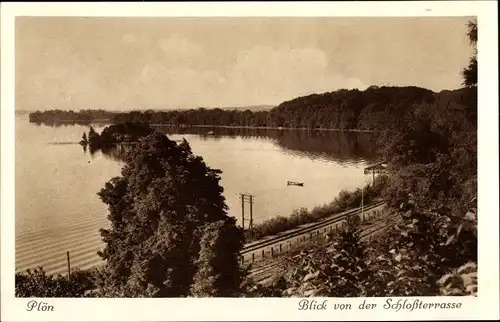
(82, 116)
(376, 108)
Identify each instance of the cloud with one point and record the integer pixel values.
(178, 48)
(268, 75)
(171, 63)
(262, 75)
(62, 86)
(176, 76)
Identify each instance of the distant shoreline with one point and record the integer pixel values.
(262, 128)
(109, 121)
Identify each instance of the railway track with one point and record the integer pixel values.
(327, 225)
(377, 228)
(265, 271)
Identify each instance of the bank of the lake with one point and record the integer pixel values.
(263, 128)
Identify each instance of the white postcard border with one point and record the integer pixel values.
(485, 306)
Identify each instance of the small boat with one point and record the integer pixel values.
(294, 183)
(210, 133)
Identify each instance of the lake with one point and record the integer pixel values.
(58, 210)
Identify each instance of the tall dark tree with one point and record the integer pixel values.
(216, 275)
(159, 208)
(93, 135)
(469, 74)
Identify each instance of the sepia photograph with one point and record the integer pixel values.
(305, 157)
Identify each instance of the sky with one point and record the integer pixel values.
(170, 63)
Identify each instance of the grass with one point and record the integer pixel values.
(346, 200)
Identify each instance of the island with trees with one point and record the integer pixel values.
(122, 133)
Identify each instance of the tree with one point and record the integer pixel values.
(469, 74)
(93, 137)
(216, 275)
(84, 141)
(159, 208)
(418, 145)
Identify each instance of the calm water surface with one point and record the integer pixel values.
(58, 210)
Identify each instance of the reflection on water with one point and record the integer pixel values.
(57, 180)
(342, 147)
(329, 145)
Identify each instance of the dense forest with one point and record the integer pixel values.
(80, 117)
(376, 108)
(170, 235)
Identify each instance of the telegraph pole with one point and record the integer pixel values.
(251, 211)
(250, 201)
(362, 200)
(69, 265)
(243, 211)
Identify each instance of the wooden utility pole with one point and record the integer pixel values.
(251, 212)
(250, 201)
(69, 266)
(243, 211)
(362, 201)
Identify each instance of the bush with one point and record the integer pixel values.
(36, 283)
(462, 281)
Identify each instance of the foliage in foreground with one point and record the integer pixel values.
(417, 257)
(461, 281)
(38, 283)
(469, 73)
